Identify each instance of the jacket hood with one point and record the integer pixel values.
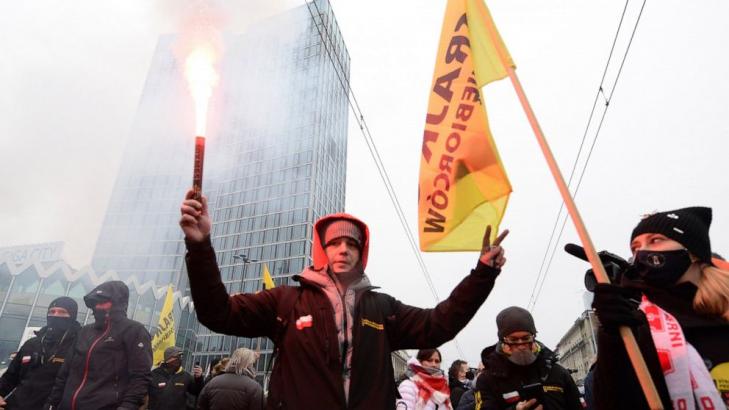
(320, 256)
(115, 291)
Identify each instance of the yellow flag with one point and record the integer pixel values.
(267, 279)
(165, 336)
(463, 185)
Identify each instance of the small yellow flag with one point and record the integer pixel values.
(267, 279)
(165, 336)
(463, 185)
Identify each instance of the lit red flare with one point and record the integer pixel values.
(201, 78)
(197, 170)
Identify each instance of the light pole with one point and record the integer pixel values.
(246, 260)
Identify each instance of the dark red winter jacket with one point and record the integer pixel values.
(308, 370)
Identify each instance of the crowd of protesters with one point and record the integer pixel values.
(334, 335)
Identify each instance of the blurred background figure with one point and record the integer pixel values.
(171, 385)
(236, 388)
(458, 382)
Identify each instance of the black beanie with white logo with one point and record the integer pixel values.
(687, 226)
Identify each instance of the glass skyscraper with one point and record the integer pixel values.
(276, 162)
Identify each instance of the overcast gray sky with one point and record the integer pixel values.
(72, 73)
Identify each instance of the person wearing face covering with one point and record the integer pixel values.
(676, 300)
(171, 384)
(110, 368)
(426, 387)
(30, 377)
(518, 360)
(334, 333)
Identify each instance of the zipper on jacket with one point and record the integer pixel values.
(88, 359)
(345, 328)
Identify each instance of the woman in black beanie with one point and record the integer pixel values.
(677, 303)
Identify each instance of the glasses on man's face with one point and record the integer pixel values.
(518, 341)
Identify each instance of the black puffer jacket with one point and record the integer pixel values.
(111, 361)
(168, 391)
(502, 379)
(230, 391)
(308, 372)
(33, 371)
(615, 383)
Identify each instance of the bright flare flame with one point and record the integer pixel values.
(201, 78)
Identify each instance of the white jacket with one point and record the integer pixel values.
(409, 393)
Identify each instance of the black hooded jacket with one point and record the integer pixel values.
(111, 360)
(502, 379)
(32, 373)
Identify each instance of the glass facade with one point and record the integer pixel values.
(32, 276)
(275, 162)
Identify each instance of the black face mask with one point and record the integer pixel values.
(59, 324)
(100, 318)
(661, 269)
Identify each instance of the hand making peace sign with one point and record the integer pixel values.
(493, 255)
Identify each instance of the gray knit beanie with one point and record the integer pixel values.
(514, 319)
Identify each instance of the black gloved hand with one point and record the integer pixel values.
(617, 306)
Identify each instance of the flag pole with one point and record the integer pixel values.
(631, 346)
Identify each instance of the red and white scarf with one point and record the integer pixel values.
(689, 383)
(430, 387)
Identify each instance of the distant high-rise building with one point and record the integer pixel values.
(276, 161)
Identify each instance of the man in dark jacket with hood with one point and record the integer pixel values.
(334, 333)
(171, 384)
(32, 373)
(110, 367)
(521, 373)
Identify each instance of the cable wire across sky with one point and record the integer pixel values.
(553, 244)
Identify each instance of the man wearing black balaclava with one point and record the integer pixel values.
(520, 372)
(110, 368)
(29, 379)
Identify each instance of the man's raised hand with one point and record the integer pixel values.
(493, 254)
(195, 220)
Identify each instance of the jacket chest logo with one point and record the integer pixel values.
(109, 340)
(304, 322)
(374, 325)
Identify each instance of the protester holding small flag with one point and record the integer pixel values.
(30, 377)
(426, 387)
(333, 334)
(520, 372)
(677, 303)
(171, 384)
